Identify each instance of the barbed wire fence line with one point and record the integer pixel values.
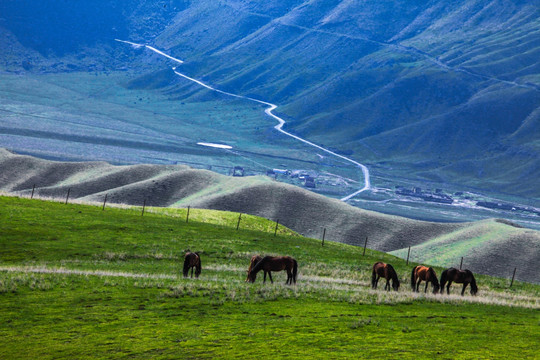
(276, 227)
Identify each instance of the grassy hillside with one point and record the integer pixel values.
(76, 281)
(486, 244)
(305, 212)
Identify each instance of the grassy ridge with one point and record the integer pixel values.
(80, 282)
(485, 244)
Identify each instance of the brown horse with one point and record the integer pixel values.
(192, 260)
(278, 263)
(386, 271)
(464, 277)
(254, 260)
(420, 273)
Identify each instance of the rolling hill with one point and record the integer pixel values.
(490, 247)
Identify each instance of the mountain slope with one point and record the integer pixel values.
(452, 85)
(298, 209)
(447, 83)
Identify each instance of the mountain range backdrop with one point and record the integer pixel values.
(434, 97)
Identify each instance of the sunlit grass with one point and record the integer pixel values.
(77, 281)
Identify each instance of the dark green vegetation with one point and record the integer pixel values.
(427, 91)
(76, 281)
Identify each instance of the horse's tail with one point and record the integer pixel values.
(413, 278)
(434, 278)
(186, 265)
(474, 288)
(198, 267)
(444, 279)
(295, 270)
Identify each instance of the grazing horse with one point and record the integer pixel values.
(464, 277)
(192, 260)
(386, 271)
(254, 260)
(420, 273)
(278, 263)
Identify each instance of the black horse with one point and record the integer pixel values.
(277, 263)
(192, 260)
(386, 271)
(464, 277)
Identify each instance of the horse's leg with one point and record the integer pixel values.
(376, 282)
(191, 271)
(387, 287)
(289, 277)
(448, 288)
(264, 276)
(425, 289)
(464, 286)
(270, 276)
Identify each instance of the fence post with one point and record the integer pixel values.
(323, 235)
(143, 206)
(408, 253)
(187, 216)
(67, 197)
(277, 224)
(461, 263)
(365, 244)
(513, 275)
(33, 188)
(238, 223)
(104, 202)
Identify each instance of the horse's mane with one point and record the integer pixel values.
(258, 266)
(433, 276)
(393, 273)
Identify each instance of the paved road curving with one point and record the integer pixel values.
(271, 107)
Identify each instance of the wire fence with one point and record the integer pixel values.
(243, 222)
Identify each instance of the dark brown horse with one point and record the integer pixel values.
(254, 260)
(464, 277)
(277, 263)
(192, 260)
(386, 271)
(426, 274)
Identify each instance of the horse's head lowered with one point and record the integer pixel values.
(251, 276)
(395, 284)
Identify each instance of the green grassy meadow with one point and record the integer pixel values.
(80, 282)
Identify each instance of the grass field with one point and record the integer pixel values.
(79, 282)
